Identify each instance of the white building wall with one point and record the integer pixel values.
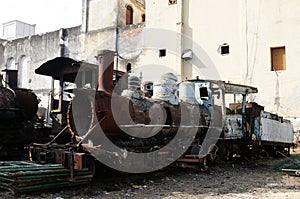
(24, 29)
(162, 31)
(210, 24)
(138, 11)
(16, 29)
(251, 28)
(23, 79)
(272, 24)
(102, 14)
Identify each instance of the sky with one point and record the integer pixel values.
(48, 15)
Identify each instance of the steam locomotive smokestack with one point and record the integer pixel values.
(106, 69)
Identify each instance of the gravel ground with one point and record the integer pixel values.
(260, 178)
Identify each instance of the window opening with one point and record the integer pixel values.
(278, 58)
(129, 15)
(162, 52)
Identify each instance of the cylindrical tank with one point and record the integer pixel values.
(160, 91)
(88, 108)
(7, 98)
(187, 92)
(16, 107)
(27, 101)
(133, 90)
(169, 80)
(120, 116)
(105, 70)
(166, 89)
(117, 113)
(134, 83)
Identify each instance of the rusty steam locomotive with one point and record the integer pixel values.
(143, 120)
(18, 119)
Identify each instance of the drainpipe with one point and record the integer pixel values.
(117, 38)
(244, 122)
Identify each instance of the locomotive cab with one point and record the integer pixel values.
(68, 75)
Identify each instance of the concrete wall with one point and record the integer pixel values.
(36, 49)
(97, 32)
(272, 24)
(162, 32)
(206, 27)
(16, 29)
(138, 11)
(102, 14)
(92, 42)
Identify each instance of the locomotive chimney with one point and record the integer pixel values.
(105, 71)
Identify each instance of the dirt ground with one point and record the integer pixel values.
(261, 178)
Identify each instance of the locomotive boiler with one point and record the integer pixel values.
(18, 109)
(131, 114)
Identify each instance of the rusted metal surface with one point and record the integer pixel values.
(192, 162)
(61, 154)
(233, 126)
(7, 98)
(239, 89)
(22, 99)
(27, 101)
(17, 109)
(142, 112)
(105, 70)
(252, 111)
(187, 160)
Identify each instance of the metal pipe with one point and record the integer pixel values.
(234, 101)
(65, 128)
(105, 70)
(52, 94)
(244, 115)
(61, 92)
(91, 130)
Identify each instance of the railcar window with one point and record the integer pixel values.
(203, 93)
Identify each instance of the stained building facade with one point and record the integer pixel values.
(254, 42)
(101, 21)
